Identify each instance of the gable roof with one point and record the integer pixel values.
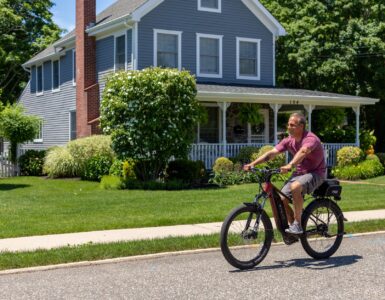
(124, 10)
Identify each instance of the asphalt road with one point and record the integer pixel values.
(357, 270)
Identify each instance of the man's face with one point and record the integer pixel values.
(293, 127)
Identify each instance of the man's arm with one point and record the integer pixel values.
(264, 158)
(298, 158)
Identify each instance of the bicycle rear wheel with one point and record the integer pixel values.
(246, 236)
(323, 225)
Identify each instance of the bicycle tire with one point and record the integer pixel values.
(234, 243)
(315, 223)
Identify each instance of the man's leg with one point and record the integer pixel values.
(289, 211)
(296, 191)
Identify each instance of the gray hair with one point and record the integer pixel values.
(301, 118)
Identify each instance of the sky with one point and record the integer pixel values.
(64, 12)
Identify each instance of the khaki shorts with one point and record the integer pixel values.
(308, 181)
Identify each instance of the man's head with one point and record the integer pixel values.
(296, 124)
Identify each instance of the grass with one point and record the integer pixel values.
(91, 252)
(38, 206)
(376, 180)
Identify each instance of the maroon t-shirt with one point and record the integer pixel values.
(314, 162)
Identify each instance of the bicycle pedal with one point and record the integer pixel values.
(290, 239)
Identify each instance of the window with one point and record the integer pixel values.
(39, 80)
(209, 55)
(73, 125)
(210, 5)
(74, 67)
(39, 136)
(55, 75)
(120, 52)
(167, 48)
(248, 59)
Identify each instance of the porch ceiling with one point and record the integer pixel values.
(227, 93)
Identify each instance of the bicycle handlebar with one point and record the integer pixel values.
(266, 171)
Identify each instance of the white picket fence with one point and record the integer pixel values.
(7, 168)
(208, 153)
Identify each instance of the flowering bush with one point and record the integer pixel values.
(150, 115)
(349, 156)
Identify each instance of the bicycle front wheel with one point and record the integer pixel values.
(323, 225)
(246, 236)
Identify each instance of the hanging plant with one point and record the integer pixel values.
(249, 113)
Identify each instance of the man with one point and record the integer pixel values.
(309, 161)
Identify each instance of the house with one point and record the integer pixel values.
(228, 44)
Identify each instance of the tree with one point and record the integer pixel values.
(335, 46)
(17, 128)
(150, 115)
(26, 28)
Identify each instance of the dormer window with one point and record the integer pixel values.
(210, 5)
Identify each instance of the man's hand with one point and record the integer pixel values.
(247, 167)
(285, 169)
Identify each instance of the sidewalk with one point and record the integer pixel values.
(109, 236)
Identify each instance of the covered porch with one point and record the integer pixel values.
(224, 134)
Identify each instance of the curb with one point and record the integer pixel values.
(141, 257)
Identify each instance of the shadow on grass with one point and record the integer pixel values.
(9, 187)
(310, 263)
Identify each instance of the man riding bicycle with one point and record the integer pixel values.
(309, 160)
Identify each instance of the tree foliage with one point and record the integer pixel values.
(334, 46)
(150, 115)
(26, 28)
(17, 128)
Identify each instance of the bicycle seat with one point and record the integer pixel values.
(329, 188)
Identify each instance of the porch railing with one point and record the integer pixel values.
(208, 153)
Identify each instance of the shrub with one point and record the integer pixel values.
(128, 169)
(372, 157)
(84, 149)
(31, 163)
(111, 182)
(150, 115)
(363, 170)
(367, 140)
(116, 168)
(231, 178)
(187, 171)
(349, 156)
(276, 162)
(381, 157)
(223, 165)
(245, 154)
(96, 167)
(59, 163)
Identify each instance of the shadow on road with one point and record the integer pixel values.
(310, 263)
(8, 187)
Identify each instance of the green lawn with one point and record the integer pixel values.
(377, 180)
(35, 206)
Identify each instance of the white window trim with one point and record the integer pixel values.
(58, 88)
(116, 35)
(42, 80)
(69, 123)
(39, 141)
(216, 10)
(258, 42)
(73, 67)
(170, 32)
(211, 36)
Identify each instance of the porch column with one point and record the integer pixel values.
(275, 108)
(357, 111)
(309, 108)
(223, 107)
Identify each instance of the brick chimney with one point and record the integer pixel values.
(87, 88)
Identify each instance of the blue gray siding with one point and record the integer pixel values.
(53, 108)
(236, 20)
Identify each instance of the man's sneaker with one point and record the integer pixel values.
(294, 228)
